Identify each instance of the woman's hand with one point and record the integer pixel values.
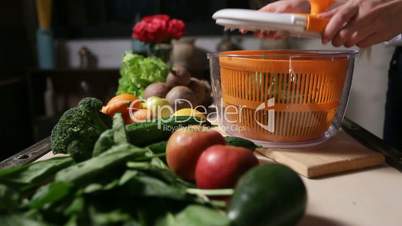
(363, 22)
(288, 6)
(284, 6)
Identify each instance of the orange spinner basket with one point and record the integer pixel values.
(281, 96)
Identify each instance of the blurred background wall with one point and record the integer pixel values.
(16, 56)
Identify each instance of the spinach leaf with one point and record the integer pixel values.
(111, 137)
(87, 171)
(36, 172)
(120, 135)
(19, 220)
(4, 172)
(115, 217)
(9, 199)
(157, 188)
(76, 207)
(137, 183)
(104, 142)
(50, 193)
(164, 174)
(195, 215)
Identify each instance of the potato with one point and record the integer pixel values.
(208, 98)
(179, 76)
(201, 89)
(181, 97)
(158, 89)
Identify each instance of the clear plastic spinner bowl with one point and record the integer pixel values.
(281, 98)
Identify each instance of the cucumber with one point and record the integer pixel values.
(268, 195)
(146, 133)
(240, 142)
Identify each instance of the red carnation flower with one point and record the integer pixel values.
(176, 28)
(158, 28)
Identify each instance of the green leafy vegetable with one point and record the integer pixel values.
(19, 220)
(50, 193)
(104, 143)
(114, 217)
(79, 128)
(33, 173)
(120, 135)
(9, 199)
(110, 137)
(137, 72)
(195, 215)
(84, 172)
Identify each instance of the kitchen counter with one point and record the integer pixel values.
(365, 198)
(370, 197)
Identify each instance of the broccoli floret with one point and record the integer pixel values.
(79, 128)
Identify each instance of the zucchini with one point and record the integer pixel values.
(146, 133)
(268, 195)
(240, 142)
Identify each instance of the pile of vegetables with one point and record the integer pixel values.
(180, 85)
(136, 110)
(152, 81)
(163, 172)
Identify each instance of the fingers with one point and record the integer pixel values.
(340, 18)
(276, 7)
(369, 41)
(353, 33)
(276, 35)
(290, 6)
(270, 8)
(280, 35)
(373, 39)
(328, 14)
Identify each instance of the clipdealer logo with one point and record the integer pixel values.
(232, 114)
(269, 105)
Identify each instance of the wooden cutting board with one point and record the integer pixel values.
(340, 154)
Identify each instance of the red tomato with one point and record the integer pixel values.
(185, 146)
(221, 166)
